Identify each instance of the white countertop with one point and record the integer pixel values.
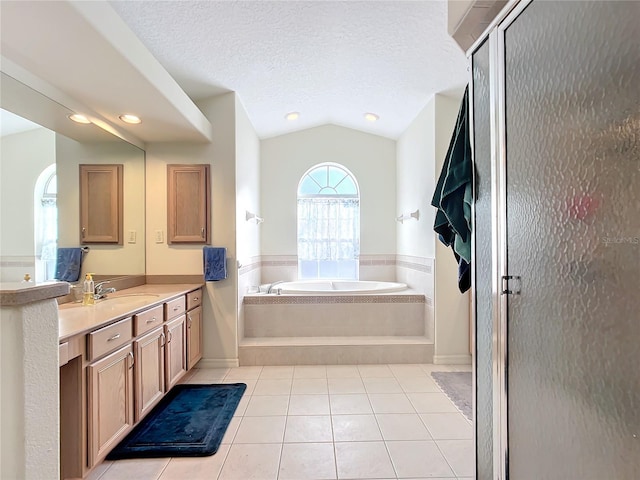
(75, 319)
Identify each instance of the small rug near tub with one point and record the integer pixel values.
(457, 386)
(189, 421)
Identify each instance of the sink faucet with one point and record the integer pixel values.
(101, 292)
(270, 289)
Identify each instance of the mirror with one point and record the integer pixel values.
(31, 200)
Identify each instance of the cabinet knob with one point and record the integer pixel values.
(202, 232)
(84, 232)
(115, 337)
(132, 360)
(152, 320)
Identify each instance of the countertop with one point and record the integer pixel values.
(76, 319)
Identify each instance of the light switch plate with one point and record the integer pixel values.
(159, 236)
(132, 236)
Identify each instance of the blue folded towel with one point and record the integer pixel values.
(68, 263)
(215, 263)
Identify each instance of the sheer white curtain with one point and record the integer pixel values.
(328, 237)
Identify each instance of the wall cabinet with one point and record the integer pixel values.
(110, 402)
(188, 192)
(101, 195)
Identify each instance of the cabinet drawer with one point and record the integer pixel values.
(145, 321)
(194, 299)
(175, 307)
(108, 338)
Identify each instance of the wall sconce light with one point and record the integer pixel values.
(408, 216)
(252, 216)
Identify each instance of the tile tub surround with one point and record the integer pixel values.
(281, 433)
(320, 329)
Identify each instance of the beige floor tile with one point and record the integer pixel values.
(260, 430)
(99, 470)
(308, 461)
(432, 403)
(447, 426)
(379, 371)
(460, 455)
(232, 428)
(363, 460)
(275, 386)
(246, 373)
(309, 386)
(391, 403)
(310, 371)
(209, 375)
(271, 372)
(242, 405)
(346, 385)
(350, 404)
(382, 385)
(251, 462)
(308, 428)
(402, 426)
(251, 384)
(309, 405)
(267, 405)
(342, 371)
(418, 385)
(418, 459)
(407, 371)
(142, 468)
(355, 428)
(196, 468)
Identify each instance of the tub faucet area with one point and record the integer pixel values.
(270, 289)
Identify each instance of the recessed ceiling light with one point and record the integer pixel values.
(371, 117)
(76, 117)
(292, 115)
(128, 118)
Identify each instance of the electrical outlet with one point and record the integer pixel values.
(159, 236)
(132, 236)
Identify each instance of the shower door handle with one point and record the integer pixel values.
(511, 285)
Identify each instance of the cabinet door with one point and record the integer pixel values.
(175, 351)
(188, 192)
(149, 371)
(110, 401)
(101, 204)
(194, 336)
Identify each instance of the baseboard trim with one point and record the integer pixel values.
(218, 363)
(452, 359)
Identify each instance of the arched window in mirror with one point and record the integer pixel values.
(328, 223)
(46, 224)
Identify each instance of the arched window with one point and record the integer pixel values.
(328, 223)
(46, 224)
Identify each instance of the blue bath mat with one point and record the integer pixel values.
(189, 421)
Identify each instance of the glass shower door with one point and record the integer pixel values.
(572, 109)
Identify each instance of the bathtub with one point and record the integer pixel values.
(337, 287)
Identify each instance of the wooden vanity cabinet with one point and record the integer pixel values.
(175, 350)
(101, 205)
(149, 371)
(188, 192)
(194, 328)
(110, 402)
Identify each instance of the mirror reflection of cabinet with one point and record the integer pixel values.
(188, 191)
(101, 204)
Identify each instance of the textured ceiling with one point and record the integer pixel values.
(330, 61)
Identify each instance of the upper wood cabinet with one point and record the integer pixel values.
(188, 191)
(101, 204)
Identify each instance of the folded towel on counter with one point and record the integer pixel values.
(68, 264)
(215, 263)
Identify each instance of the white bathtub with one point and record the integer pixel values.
(337, 287)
